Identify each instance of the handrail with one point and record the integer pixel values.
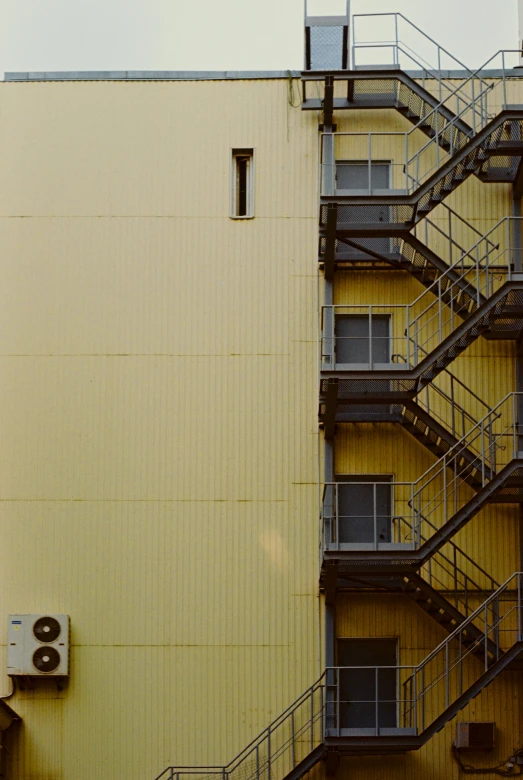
(458, 551)
(462, 219)
(398, 14)
(436, 306)
(434, 71)
(330, 503)
(436, 491)
(498, 617)
(301, 722)
(460, 445)
(477, 612)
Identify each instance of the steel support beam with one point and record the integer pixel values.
(331, 400)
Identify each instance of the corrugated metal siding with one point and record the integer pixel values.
(159, 468)
(159, 475)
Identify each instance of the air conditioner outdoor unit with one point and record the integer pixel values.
(38, 645)
(475, 736)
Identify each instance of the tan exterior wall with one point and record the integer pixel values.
(160, 465)
(159, 459)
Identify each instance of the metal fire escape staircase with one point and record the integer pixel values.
(480, 295)
(481, 292)
(469, 293)
(487, 642)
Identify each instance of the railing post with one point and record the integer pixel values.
(415, 701)
(504, 79)
(445, 491)
(369, 152)
(312, 720)
(375, 517)
(515, 423)
(376, 706)
(268, 753)
(258, 762)
(453, 409)
(397, 60)
(328, 336)
(406, 166)
(485, 622)
(495, 620)
(407, 335)
(482, 429)
(439, 74)
(371, 361)
(473, 108)
(447, 673)
(440, 312)
(423, 698)
(478, 293)
(338, 702)
(450, 235)
(437, 137)
(519, 605)
(455, 571)
(293, 741)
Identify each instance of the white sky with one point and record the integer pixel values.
(211, 35)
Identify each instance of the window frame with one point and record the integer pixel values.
(370, 479)
(370, 363)
(236, 154)
(396, 641)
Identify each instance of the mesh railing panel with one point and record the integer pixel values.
(376, 92)
(369, 214)
(326, 48)
(375, 387)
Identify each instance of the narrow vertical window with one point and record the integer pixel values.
(242, 189)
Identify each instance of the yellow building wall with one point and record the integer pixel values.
(160, 468)
(159, 459)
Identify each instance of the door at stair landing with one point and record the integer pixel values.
(364, 509)
(368, 695)
(362, 340)
(352, 177)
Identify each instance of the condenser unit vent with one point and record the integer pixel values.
(38, 645)
(475, 736)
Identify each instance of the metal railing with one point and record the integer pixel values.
(344, 528)
(423, 507)
(443, 404)
(407, 698)
(371, 700)
(417, 328)
(446, 673)
(276, 750)
(451, 235)
(412, 162)
(460, 577)
(445, 487)
(401, 38)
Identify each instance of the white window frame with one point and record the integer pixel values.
(235, 154)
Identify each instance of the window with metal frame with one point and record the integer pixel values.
(363, 509)
(357, 176)
(242, 184)
(362, 339)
